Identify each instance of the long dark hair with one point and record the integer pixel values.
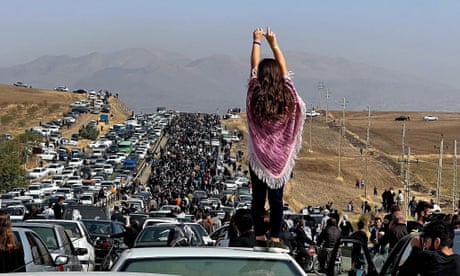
(7, 238)
(271, 99)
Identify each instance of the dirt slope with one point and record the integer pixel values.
(316, 176)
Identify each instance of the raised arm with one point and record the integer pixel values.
(271, 39)
(257, 36)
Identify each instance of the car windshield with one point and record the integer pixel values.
(194, 266)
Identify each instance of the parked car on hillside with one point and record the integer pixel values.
(62, 89)
(430, 118)
(21, 84)
(402, 118)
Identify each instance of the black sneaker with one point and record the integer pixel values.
(277, 247)
(260, 246)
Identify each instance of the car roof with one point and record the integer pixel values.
(210, 252)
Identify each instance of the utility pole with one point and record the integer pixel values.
(454, 180)
(367, 150)
(407, 181)
(438, 182)
(344, 105)
(321, 88)
(309, 144)
(341, 134)
(327, 103)
(402, 150)
(340, 150)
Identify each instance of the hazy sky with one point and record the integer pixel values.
(418, 37)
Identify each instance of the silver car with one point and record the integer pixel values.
(36, 255)
(58, 243)
(194, 261)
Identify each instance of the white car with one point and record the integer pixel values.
(67, 142)
(207, 260)
(21, 84)
(55, 168)
(430, 118)
(76, 162)
(62, 89)
(38, 172)
(312, 113)
(34, 189)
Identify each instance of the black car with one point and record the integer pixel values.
(402, 118)
(102, 232)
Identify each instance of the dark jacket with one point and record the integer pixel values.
(12, 261)
(330, 235)
(58, 210)
(245, 240)
(427, 263)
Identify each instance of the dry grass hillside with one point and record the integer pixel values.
(23, 108)
(316, 180)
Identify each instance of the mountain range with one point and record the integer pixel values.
(148, 78)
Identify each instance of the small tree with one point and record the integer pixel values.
(89, 133)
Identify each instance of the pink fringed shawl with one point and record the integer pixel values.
(272, 149)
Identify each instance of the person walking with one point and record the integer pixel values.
(11, 253)
(345, 226)
(275, 117)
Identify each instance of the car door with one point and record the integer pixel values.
(41, 258)
(350, 257)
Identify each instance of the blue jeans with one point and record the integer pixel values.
(275, 201)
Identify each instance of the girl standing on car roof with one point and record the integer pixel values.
(11, 253)
(275, 115)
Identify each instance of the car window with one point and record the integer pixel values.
(456, 246)
(47, 235)
(117, 228)
(193, 266)
(72, 230)
(40, 254)
(67, 244)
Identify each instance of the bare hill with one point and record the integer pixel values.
(316, 180)
(23, 108)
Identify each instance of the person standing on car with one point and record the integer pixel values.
(11, 252)
(432, 252)
(275, 117)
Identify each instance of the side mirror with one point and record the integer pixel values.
(81, 251)
(61, 260)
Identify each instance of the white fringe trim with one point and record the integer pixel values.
(261, 172)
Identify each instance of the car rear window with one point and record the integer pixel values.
(194, 266)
